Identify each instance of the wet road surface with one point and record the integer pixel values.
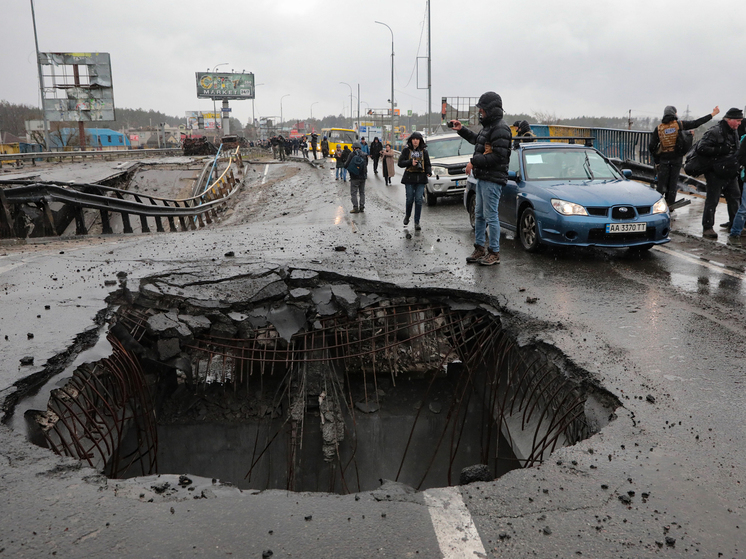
(667, 476)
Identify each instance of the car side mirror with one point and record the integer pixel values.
(512, 175)
(627, 173)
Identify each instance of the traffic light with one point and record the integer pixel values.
(201, 122)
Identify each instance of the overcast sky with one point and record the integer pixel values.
(568, 58)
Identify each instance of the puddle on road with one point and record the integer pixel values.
(308, 381)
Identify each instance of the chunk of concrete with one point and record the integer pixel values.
(168, 348)
(197, 324)
(477, 472)
(287, 320)
(300, 294)
(167, 325)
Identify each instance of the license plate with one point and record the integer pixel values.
(626, 227)
(459, 183)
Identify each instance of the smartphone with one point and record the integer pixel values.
(449, 124)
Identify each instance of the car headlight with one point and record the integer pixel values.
(660, 207)
(568, 208)
(440, 171)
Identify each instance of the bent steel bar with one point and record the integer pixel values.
(110, 199)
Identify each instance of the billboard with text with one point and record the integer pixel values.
(217, 86)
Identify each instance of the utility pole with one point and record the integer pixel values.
(41, 81)
(429, 72)
(629, 120)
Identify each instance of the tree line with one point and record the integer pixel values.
(13, 117)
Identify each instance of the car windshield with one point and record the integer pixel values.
(342, 136)
(567, 164)
(448, 147)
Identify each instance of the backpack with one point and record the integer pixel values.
(357, 164)
(697, 164)
(684, 142)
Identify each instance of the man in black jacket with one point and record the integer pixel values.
(720, 143)
(666, 147)
(740, 218)
(490, 167)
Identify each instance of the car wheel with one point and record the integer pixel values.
(471, 207)
(430, 198)
(528, 230)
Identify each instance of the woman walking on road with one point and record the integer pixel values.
(375, 153)
(388, 163)
(340, 163)
(415, 159)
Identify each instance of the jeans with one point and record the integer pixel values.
(344, 173)
(740, 219)
(357, 186)
(487, 202)
(716, 186)
(414, 196)
(338, 172)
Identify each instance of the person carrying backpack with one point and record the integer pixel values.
(357, 165)
(415, 159)
(669, 145)
(346, 153)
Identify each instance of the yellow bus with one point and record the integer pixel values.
(338, 137)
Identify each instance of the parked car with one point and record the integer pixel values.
(561, 194)
(449, 154)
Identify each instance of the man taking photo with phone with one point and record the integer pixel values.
(490, 167)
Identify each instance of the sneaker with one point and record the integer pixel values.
(354, 210)
(406, 220)
(709, 234)
(726, 225)
(362, 209)
(479, 252)
(490, 259)
(417, 226)
(735, 241)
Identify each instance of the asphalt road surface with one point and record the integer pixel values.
(662, 331)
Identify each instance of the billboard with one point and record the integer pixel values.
(77, 86)
(224, 86)
(210, 120)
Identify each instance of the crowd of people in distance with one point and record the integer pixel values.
(722, 150)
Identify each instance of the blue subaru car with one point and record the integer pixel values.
(571, 195)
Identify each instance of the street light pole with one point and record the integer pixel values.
(214, 107)
(348, 85)
(312, 104)
(281, 120)
(392, 79)
(253, 118)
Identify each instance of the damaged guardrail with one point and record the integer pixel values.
(191, 212)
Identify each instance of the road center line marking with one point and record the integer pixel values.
(717, 266)
(457, 535)
(266, 170)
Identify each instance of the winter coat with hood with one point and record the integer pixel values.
(415, 174)
(719, 142)
(493, 166)
(669, 115)
(376, 147)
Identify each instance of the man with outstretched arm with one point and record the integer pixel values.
(490, 167)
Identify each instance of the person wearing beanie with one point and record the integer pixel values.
(522, 130)
(668, 148)
(720, 144)
(357, 165)
(489, 165)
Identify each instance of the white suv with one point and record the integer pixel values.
(449, 154)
